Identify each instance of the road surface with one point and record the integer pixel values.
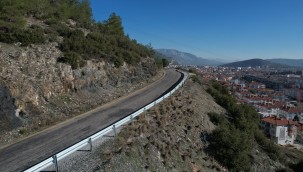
(32, 150)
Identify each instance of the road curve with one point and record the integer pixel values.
(30, 151)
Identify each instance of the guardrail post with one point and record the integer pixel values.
(131, 118)
(90, 144)
(114, 129)
(55, 161)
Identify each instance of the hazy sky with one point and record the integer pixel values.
(226, 29)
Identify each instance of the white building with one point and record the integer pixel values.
(281, 130)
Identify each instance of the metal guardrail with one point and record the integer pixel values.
(88, 141)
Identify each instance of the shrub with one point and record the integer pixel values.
(118, 61)
(52, 21)
(22, 131)
(231, 147)
(197, 79)
(72, 59)
(7, 37)
(216, 118)
(63, 30)
(269, 147)
(34, 35)
(165, 62)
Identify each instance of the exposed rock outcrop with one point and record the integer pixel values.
(37, 90)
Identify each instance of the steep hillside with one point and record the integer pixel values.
(254, 63)
(165, 138)
(56, 62)
(289, 62)
(177, 135)
(187, 58)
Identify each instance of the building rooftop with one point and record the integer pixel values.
(280, 121)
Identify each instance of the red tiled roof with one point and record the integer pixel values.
(290, 109)
(255, 98)
(279, 121)
(266, 98)
(259, 98)
(255, 83)
(276, 105)
(245, 92)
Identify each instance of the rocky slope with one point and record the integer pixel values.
(165, 138)
(37, 91)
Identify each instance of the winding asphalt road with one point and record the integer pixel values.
(32, 150)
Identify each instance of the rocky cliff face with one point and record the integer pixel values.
(36, 90)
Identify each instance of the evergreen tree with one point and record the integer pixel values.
(114, 25)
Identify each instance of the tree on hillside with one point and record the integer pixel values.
(114, 25)
(84, 13)
(37, 8)
(231, 147)
(165, 62)
(232, 141)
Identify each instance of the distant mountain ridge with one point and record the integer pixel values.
(289, 62)
(187, 58)
(255, 63)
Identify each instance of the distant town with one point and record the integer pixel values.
(276, 94)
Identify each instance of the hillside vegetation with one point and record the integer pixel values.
(70, 23)
(235, 141)
(57, 62)
(289, 62)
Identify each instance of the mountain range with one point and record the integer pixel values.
(256, 63)
(187, 58)
(289, 62)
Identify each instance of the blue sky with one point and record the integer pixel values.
(223, 29)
